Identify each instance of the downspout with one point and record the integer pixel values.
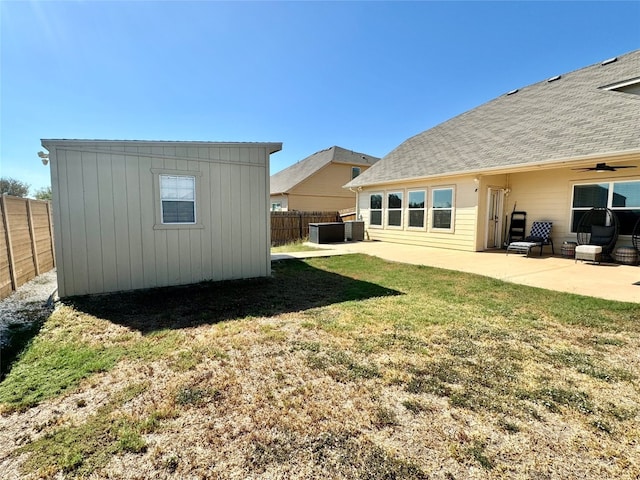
(357, 192)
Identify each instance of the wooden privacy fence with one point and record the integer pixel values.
(26, 241)
(288, 227)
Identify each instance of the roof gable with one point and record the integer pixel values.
(566, 117)
(295, 174)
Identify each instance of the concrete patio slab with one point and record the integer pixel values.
(606, 280)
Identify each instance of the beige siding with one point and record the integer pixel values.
(105, 212)
(461, 237)
(323, 190)
(545, 194)
(281, 199)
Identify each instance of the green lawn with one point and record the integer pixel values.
(341, 367)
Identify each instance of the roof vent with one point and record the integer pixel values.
(609, 60)
(515, 90)
(553, 79)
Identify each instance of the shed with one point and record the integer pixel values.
(140, 214)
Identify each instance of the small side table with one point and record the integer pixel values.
(568, 249)
(626, 256)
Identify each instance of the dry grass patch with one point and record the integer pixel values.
(379, 370)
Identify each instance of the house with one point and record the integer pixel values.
(550, 149)
(315, 183)
(140, 214)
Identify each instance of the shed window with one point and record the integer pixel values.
(442, 208)
(178, 198)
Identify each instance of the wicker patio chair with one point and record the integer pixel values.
(599, 226)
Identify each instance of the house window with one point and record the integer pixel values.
(416, 203)
(442, 208)
(276, 207)
(375, 209)
(623, 198)
(178, 198)
(394, 209)
(355, 171)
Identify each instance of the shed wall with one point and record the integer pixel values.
(106, 205)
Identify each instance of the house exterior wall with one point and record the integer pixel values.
(462, 235)
(106, 203)
(323, 190)
(545, 194)
(280, 199)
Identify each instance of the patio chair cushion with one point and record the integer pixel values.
(601, 235)
(523, 247)
(534, 239)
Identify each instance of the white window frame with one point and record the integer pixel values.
(433, 209)
(159, 220)
(276, 206)
(353, 170)
(400, 210)
(423, 209)
(381, 210)
(610, 197)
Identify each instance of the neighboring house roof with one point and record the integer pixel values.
(568, 117)
(286, 179)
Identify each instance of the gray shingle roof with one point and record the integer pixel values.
(564, 119)
(286, 179)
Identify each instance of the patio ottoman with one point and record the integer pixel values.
(592, 253)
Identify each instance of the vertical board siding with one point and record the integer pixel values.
(92, 219)
(108, 203)
(107, 224)
(225, 228)
(64, 247)
(147, 219)
(79, 257)
(134, 220)
(214, 194)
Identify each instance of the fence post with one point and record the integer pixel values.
(12, 263)
(301, 228)
(32, 234)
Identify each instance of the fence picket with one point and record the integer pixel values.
(289, 227)
(21, 258)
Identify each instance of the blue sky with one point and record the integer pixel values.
(362, 75)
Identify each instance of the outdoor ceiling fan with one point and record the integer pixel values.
(603, 167)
